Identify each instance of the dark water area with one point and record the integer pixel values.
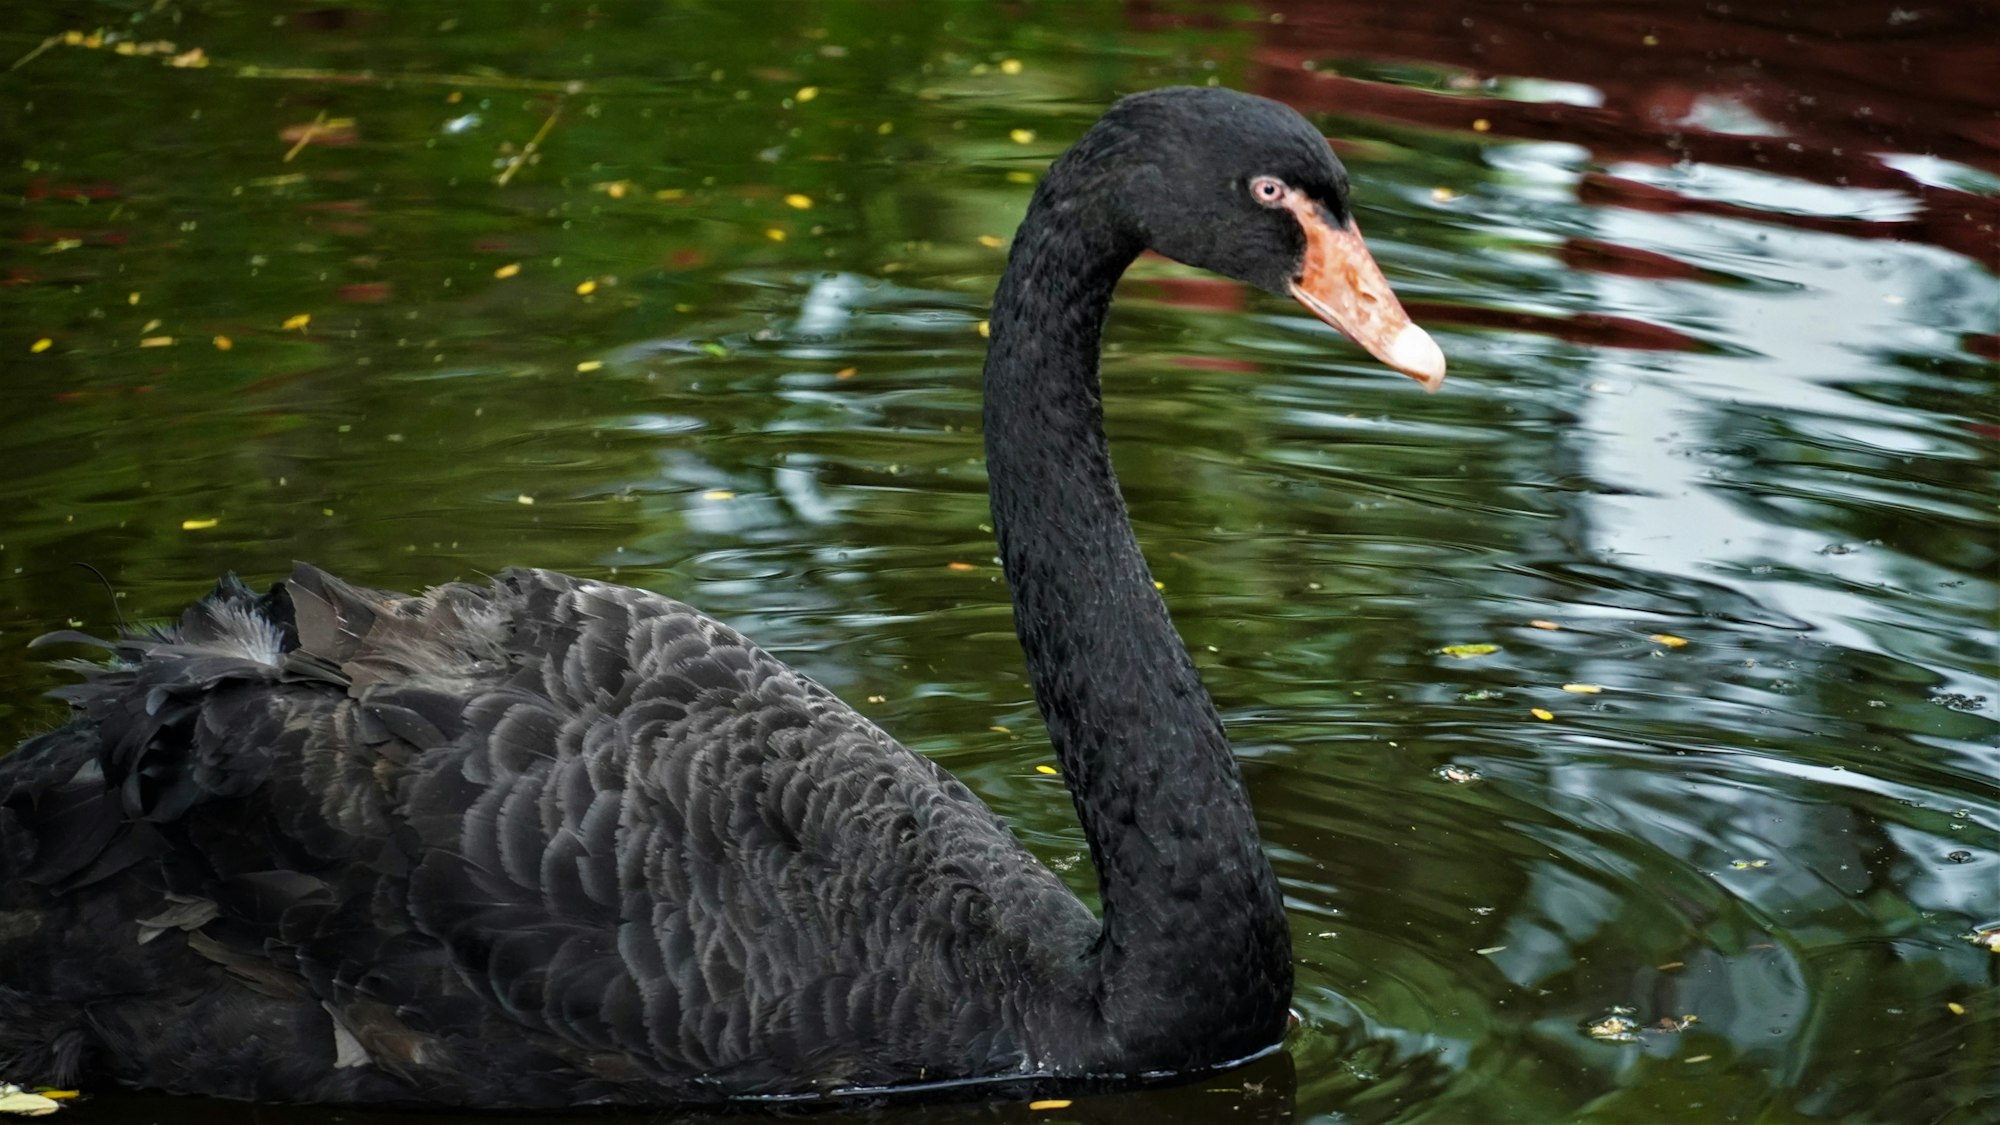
(1716, 472)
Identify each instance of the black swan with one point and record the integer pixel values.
(552, 842)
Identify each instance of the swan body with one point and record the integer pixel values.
(548, 842)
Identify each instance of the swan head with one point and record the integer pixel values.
(1245, 187)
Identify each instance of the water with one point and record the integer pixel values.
(1718, 287)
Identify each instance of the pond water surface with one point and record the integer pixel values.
(1714, 474)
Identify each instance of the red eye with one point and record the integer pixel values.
(1268, 191)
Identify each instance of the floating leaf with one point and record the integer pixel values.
(1583, 689)
(1542, 714)
(774, 234)
(1021, 136)
(1489, 950)
(959, 566)
(799, 201)
(992, 241)
(525, 500)
(718, 494)
(299, 322)
(844, 373)
(1467, 652)
(21, 1103)
(1050, 770)
(1617, 1027)
(806, 94)
(507, 271)
(1541, 624)
(985, 328)
(1050, 1103)
(41, 345)
(1010, 66)
(1668, 639)
(198, 525)
(715, 349)
(586, 287)
(223, 343)
(589, 365)
(157, 342)
(1957, 1009)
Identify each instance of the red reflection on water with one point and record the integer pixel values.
(1834, 84)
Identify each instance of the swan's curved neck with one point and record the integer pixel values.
(1193, 921)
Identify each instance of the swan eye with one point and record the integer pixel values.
(1267, 190)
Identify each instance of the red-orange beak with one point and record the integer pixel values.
(1343, 286)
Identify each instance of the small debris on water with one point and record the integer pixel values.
(1617, 1027)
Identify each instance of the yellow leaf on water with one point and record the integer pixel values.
(1022, 136)
(589, 365)
(1467, 652)
(299, 322)
(1957, 1009)
(1010, 66)
(774, 234)
(224, 343)
(1583, 689)
(992, 242)
(525, 500)
(844, 373)
(799, 201)
(21, 1103)
(1541, 714)
(1050, 770)
(157, 342)
(41, 345)
(1667, 639)
(149, 326)
(806, 94)
(959, 566)
(507, 271)
(198, 525)
(1050, 1103)
(985, 328)
(1019, 177)
(1480, 125)
(718, 494)
(585, 288)
(1541, 624)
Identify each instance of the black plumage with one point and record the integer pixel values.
(549, 841)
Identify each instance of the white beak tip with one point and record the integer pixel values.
(1415, 354)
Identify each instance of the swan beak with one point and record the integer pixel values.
(1343, 286)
